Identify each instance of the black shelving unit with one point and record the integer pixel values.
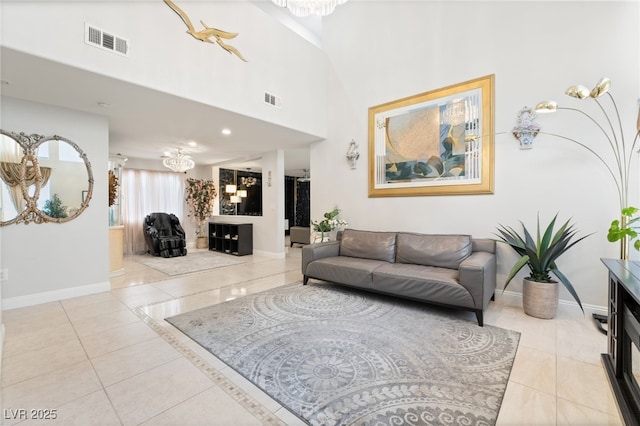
(619, 361)
(231, 238)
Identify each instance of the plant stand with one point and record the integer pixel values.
(540, 300)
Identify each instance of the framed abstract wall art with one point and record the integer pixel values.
(435, 143)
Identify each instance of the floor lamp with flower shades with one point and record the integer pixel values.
(621, 151)
(613, 135)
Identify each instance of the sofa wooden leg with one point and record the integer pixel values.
(305, 280)
(493, 297)
(479, 317)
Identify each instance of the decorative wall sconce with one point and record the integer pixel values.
(269, 178)
(526, 128)
(352, 154)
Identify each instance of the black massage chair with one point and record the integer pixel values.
(164, 235)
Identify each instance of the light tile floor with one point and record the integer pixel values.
(111, 359)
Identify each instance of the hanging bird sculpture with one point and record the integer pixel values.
(207, 33)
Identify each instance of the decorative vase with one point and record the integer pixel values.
(540, 300)
(202, 242)
(321, 237)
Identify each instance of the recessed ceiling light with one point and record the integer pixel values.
(192, 143)
(226, 131)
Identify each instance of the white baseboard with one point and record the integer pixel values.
(588, 309)
(51, 296)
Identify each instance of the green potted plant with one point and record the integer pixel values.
(327, 225)
(200, 194)
(54, 208)
(540, 290)
(625, 229)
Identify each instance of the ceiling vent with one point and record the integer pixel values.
(103, 40)
(272, 100)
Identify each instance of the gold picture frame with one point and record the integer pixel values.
(436, 143)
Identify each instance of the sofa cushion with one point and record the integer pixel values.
(429, 283)
(444, 251)
(368, 245)
(344, 270)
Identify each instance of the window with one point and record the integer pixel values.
(145, 192)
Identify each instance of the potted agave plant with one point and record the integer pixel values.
(540, 290)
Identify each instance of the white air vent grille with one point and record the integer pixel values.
(98, 38)
(272, 100)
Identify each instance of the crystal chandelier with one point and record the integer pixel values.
(310, 7)
(178, 163)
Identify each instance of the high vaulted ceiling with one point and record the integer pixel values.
(145, 123)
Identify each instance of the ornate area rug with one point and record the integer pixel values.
(338, 356)
(192, 262)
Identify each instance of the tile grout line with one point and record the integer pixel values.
(245, 400)
(103, 388)
(207, 291)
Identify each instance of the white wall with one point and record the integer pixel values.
(54, 261)
(165, 58)
(383, 51)
(377, 52)
(270, 238)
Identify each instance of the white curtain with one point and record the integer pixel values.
(10, 158)
(146, 192)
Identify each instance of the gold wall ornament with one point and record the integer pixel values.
(113, 188)
(207, 33)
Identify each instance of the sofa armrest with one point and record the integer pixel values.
(477, 273)
(317, 251)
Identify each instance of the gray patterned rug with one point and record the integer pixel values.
(192, 262)
(337, 356)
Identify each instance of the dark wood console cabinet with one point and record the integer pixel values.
(231, 238)
(623, 337)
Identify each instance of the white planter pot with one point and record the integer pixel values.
(540, 300)
(320, 237)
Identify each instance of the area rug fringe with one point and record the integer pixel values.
(234, 391)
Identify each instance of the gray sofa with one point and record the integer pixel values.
(450, 270)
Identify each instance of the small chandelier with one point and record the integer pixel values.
(310, 7)
(178, 163)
